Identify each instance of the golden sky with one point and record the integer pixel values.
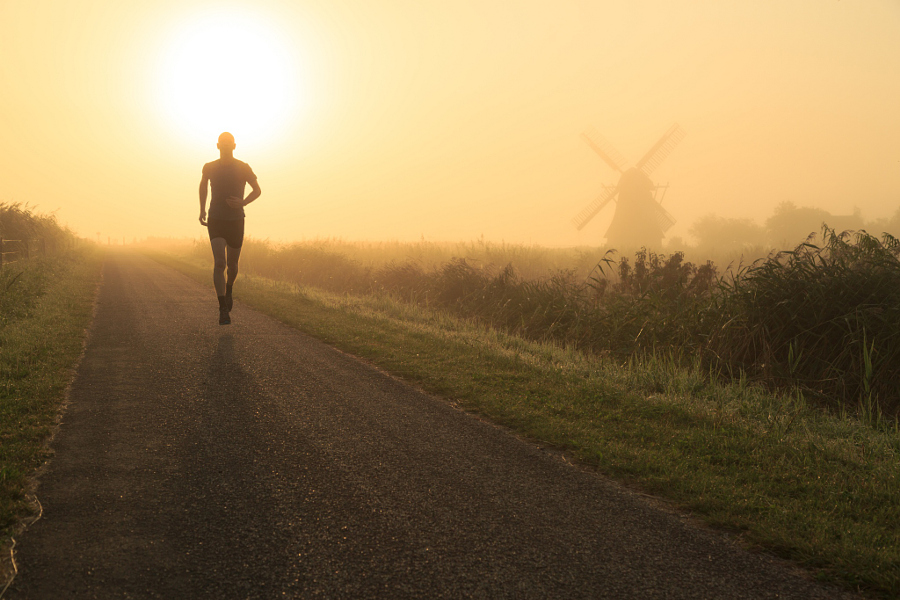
(398, 119)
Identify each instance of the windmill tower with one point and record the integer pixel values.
(639, 219)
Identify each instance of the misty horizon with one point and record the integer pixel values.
(392, 122)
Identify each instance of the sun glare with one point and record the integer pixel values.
(229, 72)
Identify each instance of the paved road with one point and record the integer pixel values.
(251, 461)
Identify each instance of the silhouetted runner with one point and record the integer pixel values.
(228, 177)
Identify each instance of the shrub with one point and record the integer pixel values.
(21, 223)
(827, 318)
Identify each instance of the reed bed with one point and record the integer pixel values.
(318, 259)
(20, 223)
(821, 318)
(23, 279)
(824, 317)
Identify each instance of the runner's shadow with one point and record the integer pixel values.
(227, 379)
(224, 350)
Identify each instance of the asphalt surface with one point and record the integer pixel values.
(252, 461)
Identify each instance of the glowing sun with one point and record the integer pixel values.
(229, 71)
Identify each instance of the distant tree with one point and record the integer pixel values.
(675, 243)
(889, 225)
(713, 232)
(790, 225)
(841, 223)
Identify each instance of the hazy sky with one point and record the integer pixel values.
(450, 120)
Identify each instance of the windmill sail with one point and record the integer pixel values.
(663, 218)
(661, 149)
(606, 151)
(591, 210)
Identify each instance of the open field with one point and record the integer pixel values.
(813, 485)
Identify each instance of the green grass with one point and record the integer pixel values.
(46, 306)
(807, 484)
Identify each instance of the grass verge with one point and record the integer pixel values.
(784, 475)
(47, 305)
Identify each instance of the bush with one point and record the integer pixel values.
(724, 234)
(21, 223)
(827, 318)
(22, 282)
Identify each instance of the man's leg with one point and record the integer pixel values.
(219, 264)
(234, 255)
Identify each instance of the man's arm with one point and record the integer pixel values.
(204, 188)
(235, 202)
(254, 193)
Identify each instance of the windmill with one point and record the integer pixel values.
(639, 218)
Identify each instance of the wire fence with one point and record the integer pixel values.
(12, 251)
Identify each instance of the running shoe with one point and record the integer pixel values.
(229, 301)
(224, 319)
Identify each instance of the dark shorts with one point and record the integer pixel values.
(232, 231)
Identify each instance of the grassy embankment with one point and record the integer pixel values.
(819, 486)
(46, 304)
(824, 319)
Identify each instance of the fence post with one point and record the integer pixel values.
(1, 251)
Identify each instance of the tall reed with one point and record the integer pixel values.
(826, 317)
(20, 222)
(22, 282)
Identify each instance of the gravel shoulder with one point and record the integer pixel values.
(252, 461)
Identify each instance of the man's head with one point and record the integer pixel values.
(226, 142)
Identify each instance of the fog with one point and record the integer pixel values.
(404, 120)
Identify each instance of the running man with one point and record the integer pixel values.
(228, 177)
